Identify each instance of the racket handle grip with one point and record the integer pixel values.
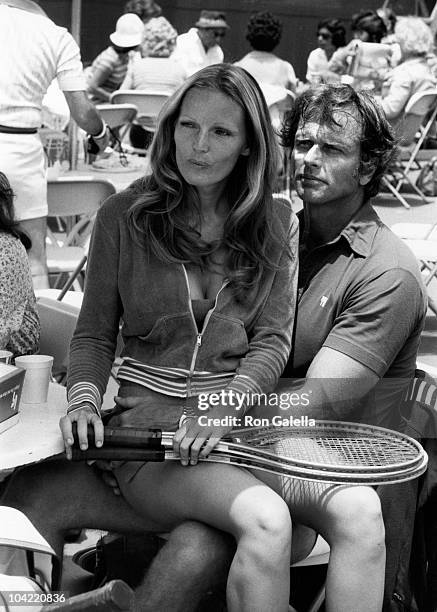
(119, 454)
(130, 437)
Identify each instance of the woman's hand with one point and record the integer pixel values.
(82, 417)
(193, 441)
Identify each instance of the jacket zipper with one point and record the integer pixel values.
(198, 335)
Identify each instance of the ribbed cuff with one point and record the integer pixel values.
(84, 393)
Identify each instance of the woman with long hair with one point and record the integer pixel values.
(200, 267)
(19, 322)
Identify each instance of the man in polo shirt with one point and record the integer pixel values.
(361, 301)
(199, 47)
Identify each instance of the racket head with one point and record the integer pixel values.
(330, 451)
(337, 445)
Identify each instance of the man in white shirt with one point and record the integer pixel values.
(34, 51)
(199, 47)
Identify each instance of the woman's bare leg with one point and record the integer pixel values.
(350, 520)
(235, 501)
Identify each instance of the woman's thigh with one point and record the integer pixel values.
(316, 504)
(223, 496)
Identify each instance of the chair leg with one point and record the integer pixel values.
(72, 277)
(395, 192)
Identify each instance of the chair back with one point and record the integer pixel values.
(416, 111)
(117, 115)
(77, 197)
(73, 196)
(148, 104)
(58, 322)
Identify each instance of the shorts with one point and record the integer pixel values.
(22, 160)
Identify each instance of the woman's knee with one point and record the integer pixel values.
(267, 527)
(357, 517)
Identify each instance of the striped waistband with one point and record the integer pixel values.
(172, 381)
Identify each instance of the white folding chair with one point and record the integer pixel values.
(74, 200)
(425, 252)
(148, 104)
(415, 231)
(28, 564)
(118, 117)
(280, 101)
(419, 115)
(27, 561)
(58, 322)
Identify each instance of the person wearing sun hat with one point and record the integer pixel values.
(109, 69)
(199, 47)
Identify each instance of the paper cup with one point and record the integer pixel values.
(36, 380)
(5, 356)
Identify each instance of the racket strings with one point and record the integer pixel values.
(343, 451)
(335, 448)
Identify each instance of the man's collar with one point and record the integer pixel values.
(359, 232)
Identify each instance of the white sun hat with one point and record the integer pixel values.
(128, 31)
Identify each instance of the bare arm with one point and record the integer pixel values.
(86, 116)
(99, 76)
(333, 383)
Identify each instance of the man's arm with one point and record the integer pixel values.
(87, 117)
(333, 384)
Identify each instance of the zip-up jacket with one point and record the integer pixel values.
(152, 300)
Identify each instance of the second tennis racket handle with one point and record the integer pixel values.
(118, 454)
(129, 437)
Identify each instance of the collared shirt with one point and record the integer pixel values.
(191, 53)
(362, 295)
(33, 51)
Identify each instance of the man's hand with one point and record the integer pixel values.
(82, 417)
(103, 141)
(106, 472)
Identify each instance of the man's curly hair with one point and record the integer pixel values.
(264, 31)
(378, 142)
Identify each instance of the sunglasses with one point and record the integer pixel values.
(219, 33)
(324, 35)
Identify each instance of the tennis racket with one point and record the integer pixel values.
(331, 451)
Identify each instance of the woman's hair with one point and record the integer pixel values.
(337, 30)
(162, 216)
(159, 39)
(414, 36)
(377, 138)
(264, 31)
(7, 221)
(143, 8)
(369, 21)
